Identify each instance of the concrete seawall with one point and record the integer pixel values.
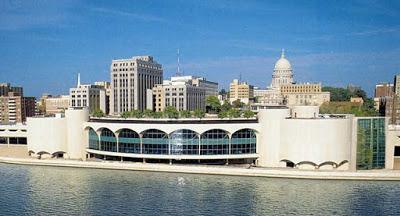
(385, 175)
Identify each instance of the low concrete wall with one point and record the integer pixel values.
(214, 170)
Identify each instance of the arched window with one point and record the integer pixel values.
(155, 142)
(129, 141)
(184, 142)
(108, 141)
(214, 142)
(243, 142)
(93, 140)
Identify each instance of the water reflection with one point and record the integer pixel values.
(69, 191)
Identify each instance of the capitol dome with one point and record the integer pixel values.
(283, 63)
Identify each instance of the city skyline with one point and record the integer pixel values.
(45, 44)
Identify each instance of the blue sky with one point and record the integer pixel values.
(44, 44)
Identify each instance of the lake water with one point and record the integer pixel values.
(34, 190)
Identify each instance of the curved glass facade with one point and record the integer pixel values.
(93, 139)
(128, 141)
(108, 141)
(184, 142)
(214, 142)
(179, 142)
(155, 142)
(243, 142)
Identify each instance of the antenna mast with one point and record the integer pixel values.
(178, 72)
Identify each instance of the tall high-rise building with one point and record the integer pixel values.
(396, 84)
(183, 93)
(5, 88)
(88, 95)
(15, 108)
(131, 79)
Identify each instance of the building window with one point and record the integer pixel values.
(213, 142)
(108, 141)
(129, 141)
(243, 142)
(93, 140)
(155, 142)
(184, 142)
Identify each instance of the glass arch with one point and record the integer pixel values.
(128, 141)
(93, 139)
(214, 142)
(184, 141)
(243, 142)
(155, 142)
(108, 141)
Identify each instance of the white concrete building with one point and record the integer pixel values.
(279, 137)
(87, 95)
(130, 80)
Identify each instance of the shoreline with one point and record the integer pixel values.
(371, 175)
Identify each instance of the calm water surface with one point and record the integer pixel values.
(32, 190)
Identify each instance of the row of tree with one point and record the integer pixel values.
(340, 102)
(213, 106)
(169, 112)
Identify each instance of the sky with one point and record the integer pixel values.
(44, 44)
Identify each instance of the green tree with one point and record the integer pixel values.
(248, 114)
(223, 114)
(136, 114)
(198, 113)
(226, 106)
(126, 114)
(213, 104)
(237, 104)
(158, 115)
(98, 113)
(171, 112)
(185, 114)
(234, 113)
(148, 113)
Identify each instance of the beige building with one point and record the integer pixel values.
(304, 94)
(130, 81)
(91, 96)
(211, 88)
(181, 93)
(56, 104)
(107, 87)
(240, 91)
(15, 108)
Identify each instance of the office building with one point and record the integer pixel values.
(304, 94)
(181, 93)
(56, 104)
(5, 88)
(241, 91)
(130, 81)
(107, 87)
(15, 108)
(91, 96)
